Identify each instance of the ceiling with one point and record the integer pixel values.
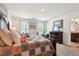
(33, 10)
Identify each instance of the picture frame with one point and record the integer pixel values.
(57, 25)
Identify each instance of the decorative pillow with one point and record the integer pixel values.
(23, 38)
(15, 36)
(5, 37)
(36, 37)
(1, 43)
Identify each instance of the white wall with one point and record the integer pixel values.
(66, 26)
(15, 22)
(74, 25)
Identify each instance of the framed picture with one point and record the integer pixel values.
(57, 25)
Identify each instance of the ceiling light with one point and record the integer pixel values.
(42, 10)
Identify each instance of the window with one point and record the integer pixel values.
(24, 27)
(40, 28)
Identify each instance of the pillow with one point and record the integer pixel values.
(36, 37)
(1, 43)
(16, 36)
(5, 37)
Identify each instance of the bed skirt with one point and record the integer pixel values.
(46, 53)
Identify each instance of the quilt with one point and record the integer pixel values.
(30, 48)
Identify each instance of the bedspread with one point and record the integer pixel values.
(30, 48)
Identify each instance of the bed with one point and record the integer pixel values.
(35, 47)
(30, 48)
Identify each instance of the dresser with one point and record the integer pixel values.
(56, 37)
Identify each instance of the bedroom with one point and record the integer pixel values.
(33, 29)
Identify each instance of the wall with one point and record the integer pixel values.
(75, 24)
(74, 28)
(66, 26)
(16, 22)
